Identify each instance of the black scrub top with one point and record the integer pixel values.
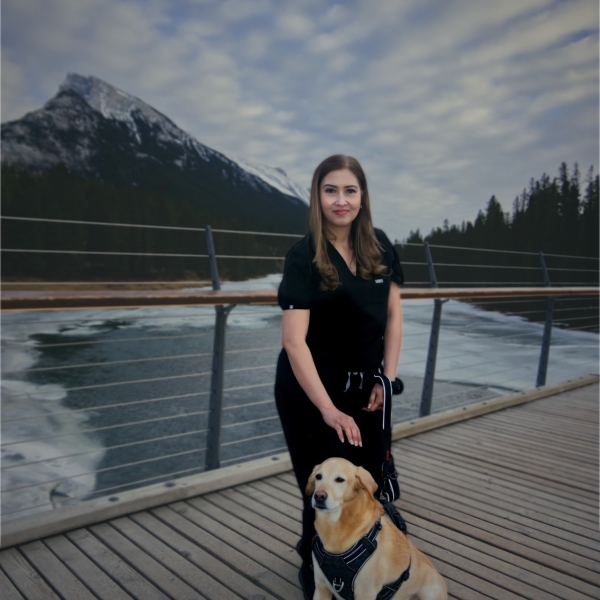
(346, 328)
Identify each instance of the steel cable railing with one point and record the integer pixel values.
(147, 439)
(99, 491)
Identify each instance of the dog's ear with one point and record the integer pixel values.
(364, 479)
(310, 486)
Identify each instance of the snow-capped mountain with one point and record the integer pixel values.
(98, 131)
(275, 177)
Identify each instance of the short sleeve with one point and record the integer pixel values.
(391, 259)
(295, 291)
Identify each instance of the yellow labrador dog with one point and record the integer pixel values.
(358, 553)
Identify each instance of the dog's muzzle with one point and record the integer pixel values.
(319, 500)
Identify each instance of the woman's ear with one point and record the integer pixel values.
(310, 486)
(364, 479)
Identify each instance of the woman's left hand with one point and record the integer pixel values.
(375, 399)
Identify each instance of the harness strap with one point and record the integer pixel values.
(341, 569)
(390, 589)
(366, 543)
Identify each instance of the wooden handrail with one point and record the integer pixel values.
(65, 300)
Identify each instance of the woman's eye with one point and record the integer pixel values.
(351, 191)
(319, 476)
(340, 479)
(329, 191)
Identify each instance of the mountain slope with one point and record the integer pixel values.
(100, 132)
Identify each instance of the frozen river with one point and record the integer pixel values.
(72, 379)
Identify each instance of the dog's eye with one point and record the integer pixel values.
(319, 476)
(340, 479)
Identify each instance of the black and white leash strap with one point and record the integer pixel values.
(387, 399)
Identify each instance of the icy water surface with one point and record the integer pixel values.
(85, 394)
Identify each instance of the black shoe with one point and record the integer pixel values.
(394, 514)
(306, 577)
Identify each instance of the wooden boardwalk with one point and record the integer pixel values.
(505, 505)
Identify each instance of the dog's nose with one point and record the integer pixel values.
(320, 496)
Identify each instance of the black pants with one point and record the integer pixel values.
(311, 441)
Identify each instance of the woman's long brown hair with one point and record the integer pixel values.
(362, 235)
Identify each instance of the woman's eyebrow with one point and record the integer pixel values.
(345, 186)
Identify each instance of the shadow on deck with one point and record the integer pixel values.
(505, 505)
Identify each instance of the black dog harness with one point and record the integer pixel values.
(341, 569)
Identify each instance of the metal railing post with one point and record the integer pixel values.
(545, 351)
(213, 442)
(428, 380)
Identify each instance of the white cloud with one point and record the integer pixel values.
(294, 25)
(445, 101)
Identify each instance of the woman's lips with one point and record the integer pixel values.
(340, 213)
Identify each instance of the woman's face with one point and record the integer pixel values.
(340, 198)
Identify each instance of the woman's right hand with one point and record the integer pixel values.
(343, 424)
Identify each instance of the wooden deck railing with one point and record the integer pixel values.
(64, 300)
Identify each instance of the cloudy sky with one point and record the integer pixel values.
(445, 102)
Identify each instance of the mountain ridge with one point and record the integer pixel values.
(99, 131)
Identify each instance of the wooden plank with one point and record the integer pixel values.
(494, 583)
(25, 578)
(492, 570)
(257, 493)
(9, 591)
(495, 530)
(54, 572)
(535, 505)
(564, 423)
(174, 561)
(536, 438)
(144, 564)
(575, 437)
(448, 417)
(129, 579)
(461, 451)
(233, 521)
(264, 510)
(74, 299)
(532, 461)
(245, 513)
(530, 464)
(517, 431)
(581, 416)
(442, 562)
(535, 573)
(520, 577)
(291, 487)
(255, 572)
(585, 501)
(504, 540)
(484, 508)
(85, 570)
(198, 556)
(244, 540)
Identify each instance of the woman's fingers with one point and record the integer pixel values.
(352, 432)
(344, 425)
(375, 399)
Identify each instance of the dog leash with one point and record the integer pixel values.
(391, 487)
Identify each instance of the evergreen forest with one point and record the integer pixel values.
(62, 195)
(556, 216)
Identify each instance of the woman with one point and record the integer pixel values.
(341, 319)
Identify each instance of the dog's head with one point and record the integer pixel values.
(336, 481)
